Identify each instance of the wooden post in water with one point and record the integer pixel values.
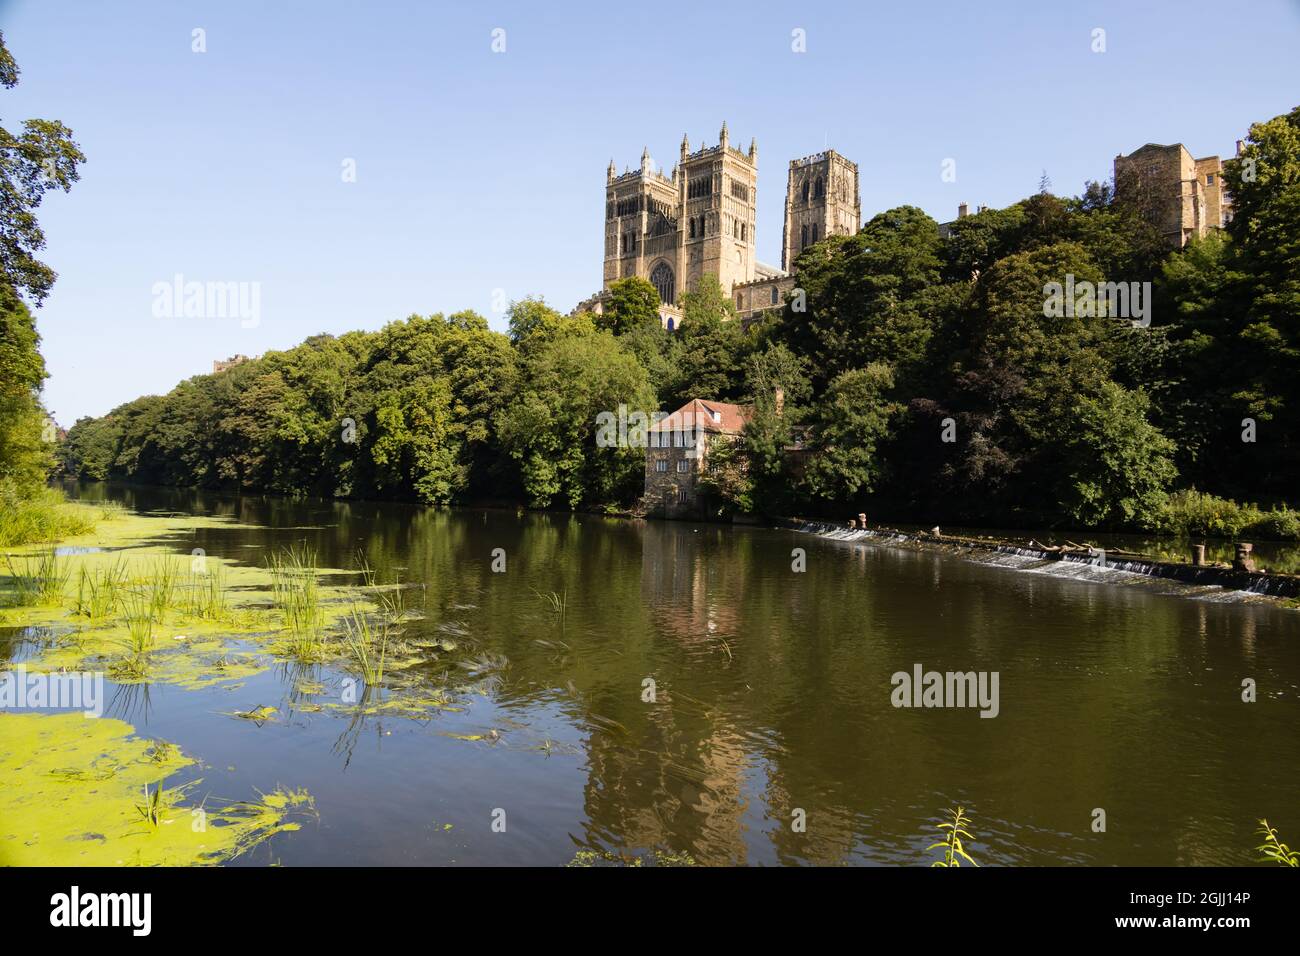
(862, 521)
(1198, 555)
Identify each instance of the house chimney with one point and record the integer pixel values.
(962, 211)
(780, 400)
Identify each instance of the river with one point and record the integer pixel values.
(701, 695)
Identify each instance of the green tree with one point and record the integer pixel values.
(866, 296)
(1117, 467)
(712, 346)
(42, 157)
(848, 425)
(550, 427)
(633, 303)
(24, 454)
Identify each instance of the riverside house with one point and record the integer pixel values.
(677, 453)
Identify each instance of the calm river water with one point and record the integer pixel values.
(772, 695)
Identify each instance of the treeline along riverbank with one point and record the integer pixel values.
(924, 378)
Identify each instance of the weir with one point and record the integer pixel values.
(1240, 577)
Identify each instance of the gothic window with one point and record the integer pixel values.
(803, 236)
(692, 228)
(622, 243)
(671, 324)
(742, 232)
(740, 301)
(814, 232)
(774, 295)
(820, 191)
(805, 190)
(662, 279)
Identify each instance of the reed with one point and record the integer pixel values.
(161, 583)
(39, 580)
(368, 644)
(137, 612)
(295, 591)
(153, 807)
(205, 595)
(1273, 850)
(558, 603)
(953, 850)
(99, 592)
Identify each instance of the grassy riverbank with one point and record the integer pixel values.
(46, 515)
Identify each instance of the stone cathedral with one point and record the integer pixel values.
(674, 229)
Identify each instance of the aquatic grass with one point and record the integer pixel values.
(1273, 850)
(99, 592)
(391, 598)
(39, 580)
(953, 850)
(137, 613)
(161, 582)
(295, 591)
(558, 603)
(205, 595)
(368, 644)
(153, 807)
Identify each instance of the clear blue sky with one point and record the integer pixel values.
(479, 171)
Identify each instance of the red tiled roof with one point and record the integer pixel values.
(721, 417)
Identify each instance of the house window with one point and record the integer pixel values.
(1209, 179)
(661, 464)
(682, 496)
(774, 295)
(683, 465)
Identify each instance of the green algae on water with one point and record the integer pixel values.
(88, 792)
